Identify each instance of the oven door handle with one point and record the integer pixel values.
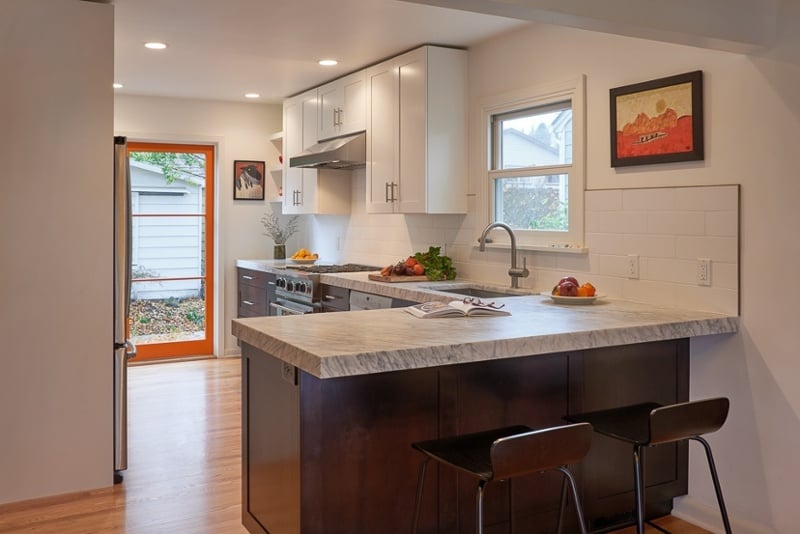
(286, 309)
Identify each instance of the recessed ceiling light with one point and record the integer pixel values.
(155, 45)
(252, 95)
(328, 62)
(117, 86)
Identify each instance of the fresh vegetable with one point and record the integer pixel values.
(437, 267)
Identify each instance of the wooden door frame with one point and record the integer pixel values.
(190, 348)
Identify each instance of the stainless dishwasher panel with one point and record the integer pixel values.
(368, 301)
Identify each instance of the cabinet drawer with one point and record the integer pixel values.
(335, 297)
(254, 278)
(252, 301)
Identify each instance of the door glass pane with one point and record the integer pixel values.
(168, 247)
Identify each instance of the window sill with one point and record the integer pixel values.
(559, 248)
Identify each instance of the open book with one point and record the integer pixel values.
(455, 308)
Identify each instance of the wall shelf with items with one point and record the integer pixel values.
(274, 177)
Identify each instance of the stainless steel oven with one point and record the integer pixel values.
(297, 290)
(282, 306)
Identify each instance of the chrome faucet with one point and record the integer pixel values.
(513, 272)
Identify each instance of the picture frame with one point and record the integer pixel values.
(658, 121)
(248, 179)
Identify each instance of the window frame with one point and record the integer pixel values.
(541, 96)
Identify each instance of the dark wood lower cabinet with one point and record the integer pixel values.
(334, 455)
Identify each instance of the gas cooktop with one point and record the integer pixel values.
(345, 268)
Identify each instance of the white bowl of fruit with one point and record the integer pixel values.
(569, 291)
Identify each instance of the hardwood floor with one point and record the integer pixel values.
(184, 472)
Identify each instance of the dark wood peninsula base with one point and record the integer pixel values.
(334, 456)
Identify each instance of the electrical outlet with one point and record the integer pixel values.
(703, 272)
(289, 373)
(633, 266)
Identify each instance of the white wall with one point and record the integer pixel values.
(56, 150)
(240, 131)
(752, 122)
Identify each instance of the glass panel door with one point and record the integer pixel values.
(172, 188)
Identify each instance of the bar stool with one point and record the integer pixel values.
(506, 453)
(651, 424)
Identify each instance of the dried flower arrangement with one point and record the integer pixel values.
(279, 234)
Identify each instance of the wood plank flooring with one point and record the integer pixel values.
(184, 472)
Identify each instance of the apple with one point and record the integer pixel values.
(569, 279)
(567, 289)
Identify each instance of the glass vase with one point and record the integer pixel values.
(279, 251)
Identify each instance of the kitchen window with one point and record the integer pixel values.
(535, 163)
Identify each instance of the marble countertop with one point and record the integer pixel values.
(329, 345)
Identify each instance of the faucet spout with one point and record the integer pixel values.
(513, 272)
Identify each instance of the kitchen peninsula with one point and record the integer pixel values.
(332, 402)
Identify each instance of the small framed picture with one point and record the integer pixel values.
(248, 180)
(658, 121)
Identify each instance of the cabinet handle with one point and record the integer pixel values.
(386, 192)
(248, 302)
(299, 198)
(394, 197)
(329, 297)
(339, 120)
(246, 277)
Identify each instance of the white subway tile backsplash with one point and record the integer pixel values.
(606, 243)
(657, 246)
(709, 198)
(616, 222)
(716, 248)
(676, 223)
(722, 223)
(648, 199)
(603, 200)
(668, 228)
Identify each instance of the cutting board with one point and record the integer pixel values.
(397, 278)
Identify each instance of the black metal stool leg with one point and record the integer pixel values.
(562, 505)
(418, 501)
(479, 507)
(638, 473)
(715, 478)
(575, 499)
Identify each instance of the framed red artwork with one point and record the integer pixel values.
(658, 121)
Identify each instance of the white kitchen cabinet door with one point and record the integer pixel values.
(299, 116)
(417, 133)
(342, 107)
(309, 191)
(382, 137)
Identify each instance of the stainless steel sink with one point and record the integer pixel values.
(481, 292)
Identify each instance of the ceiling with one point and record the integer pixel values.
(222, 50)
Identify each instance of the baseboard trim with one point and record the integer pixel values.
(232, 353)
(708, 517)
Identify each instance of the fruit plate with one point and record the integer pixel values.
(310, 261)
(573, 300)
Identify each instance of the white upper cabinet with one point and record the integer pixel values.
(417, 132)
(299, 133)
(342, 106)
(308, 190)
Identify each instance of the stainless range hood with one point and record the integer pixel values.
(341, 153)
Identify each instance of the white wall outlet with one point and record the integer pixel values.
(703, 272)
(632, 268)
